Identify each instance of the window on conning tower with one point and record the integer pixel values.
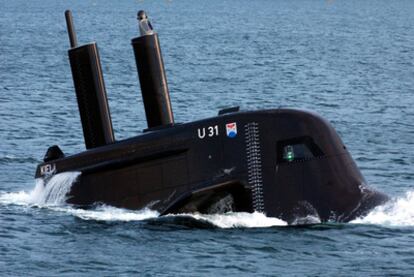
(297, 149)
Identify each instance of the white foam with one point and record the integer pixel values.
(306, 220)
(53, 193)
(108, 213)
(237, 220)
(53, 196)
(397, 212)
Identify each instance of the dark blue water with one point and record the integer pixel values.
(350, 61)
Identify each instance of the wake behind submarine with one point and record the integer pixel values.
(285, 163)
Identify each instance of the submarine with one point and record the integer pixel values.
(285, 163)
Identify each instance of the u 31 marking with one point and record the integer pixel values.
(209, 131)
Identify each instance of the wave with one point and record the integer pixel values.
(234, 219)
(397, 212)
(109, 213)
(52, 195)
(9, 158)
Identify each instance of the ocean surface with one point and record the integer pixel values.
(350, 61)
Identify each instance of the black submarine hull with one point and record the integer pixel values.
(232, 162)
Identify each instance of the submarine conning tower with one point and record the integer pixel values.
(90, 86)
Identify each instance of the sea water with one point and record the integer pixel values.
(350, 61)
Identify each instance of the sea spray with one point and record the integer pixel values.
(235, 220)
(52, 193)
(55, 190)
(53, 199)
(109, 213)
(397, 212)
